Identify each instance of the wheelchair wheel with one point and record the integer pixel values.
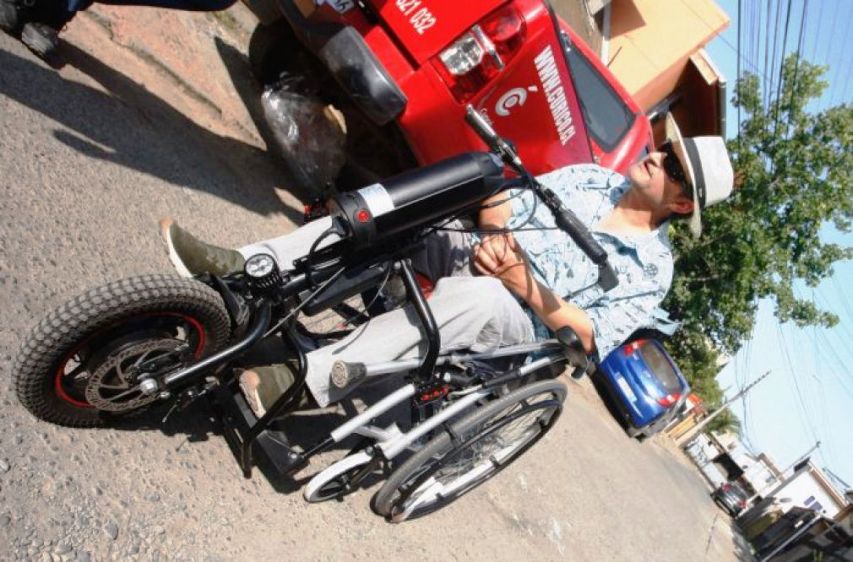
(470, 451)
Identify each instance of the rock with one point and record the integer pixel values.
(84, 557)
(4, 466)
(5, 520)
(111, 529)
(62, 548)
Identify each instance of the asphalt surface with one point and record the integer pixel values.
(89, 161)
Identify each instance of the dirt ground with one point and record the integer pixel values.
(152, 117)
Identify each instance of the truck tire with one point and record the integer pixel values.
(271, 48)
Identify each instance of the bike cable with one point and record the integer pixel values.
(361, 313)
(305, 301)
(479, 231)
(309, 258)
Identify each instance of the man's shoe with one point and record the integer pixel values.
(262, 386)
(11, 16)
(42, 39)
(191, 256)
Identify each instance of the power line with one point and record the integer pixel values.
(847, 72)
(844, 303)
(804, 420)
(831, 34)
(756, 53)
(781, 72)
(750, 24)
(738, 68)
(843, 91)
(767, 49)
(829, 45)
(772, 66)
(824, 406)
(725, 41)
(841, 381)
(813, 57)
(796, 66)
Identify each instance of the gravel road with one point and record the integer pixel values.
(90, 158)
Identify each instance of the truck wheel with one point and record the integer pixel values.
(271, 49)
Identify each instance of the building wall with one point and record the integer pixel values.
(651, 42)
(759, 475)
(802, 488)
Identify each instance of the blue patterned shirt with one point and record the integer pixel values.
(643, 262)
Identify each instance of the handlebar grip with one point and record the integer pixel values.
(571, 225)
(607, 277)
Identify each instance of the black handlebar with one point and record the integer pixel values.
(564, 218)
(494, 141)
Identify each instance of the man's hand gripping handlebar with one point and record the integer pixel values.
(564, 218)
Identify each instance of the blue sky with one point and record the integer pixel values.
(809, 394)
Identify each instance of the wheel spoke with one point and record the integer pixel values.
(122, 395)
(486, 443)
(113, 386)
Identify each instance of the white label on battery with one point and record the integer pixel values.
(377, 199)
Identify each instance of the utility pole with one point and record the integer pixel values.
(694, 431)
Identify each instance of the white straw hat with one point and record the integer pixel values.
(707, 166)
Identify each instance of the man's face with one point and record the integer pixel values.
(656, 188)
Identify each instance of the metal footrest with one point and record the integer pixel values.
(237, 421)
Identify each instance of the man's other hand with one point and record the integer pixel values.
(498, 255)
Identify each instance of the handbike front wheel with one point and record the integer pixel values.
(473, 450)
(82, 363)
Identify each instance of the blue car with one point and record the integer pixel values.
(646, 385)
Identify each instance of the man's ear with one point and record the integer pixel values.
(681, 205)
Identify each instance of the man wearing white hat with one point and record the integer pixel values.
(629, 218)
(533, 280)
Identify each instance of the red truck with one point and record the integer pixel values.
(404, 70)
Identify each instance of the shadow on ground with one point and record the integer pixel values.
(303, 428)
(132, 127)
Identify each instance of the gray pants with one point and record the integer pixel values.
(475, 313)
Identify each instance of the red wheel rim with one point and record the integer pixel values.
(57, 381)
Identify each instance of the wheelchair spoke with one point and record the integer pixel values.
(480, 445)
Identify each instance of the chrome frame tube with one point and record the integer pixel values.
(397, 446)
(348, 428)
(408, 364)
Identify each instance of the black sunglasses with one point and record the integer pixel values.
(673, 169)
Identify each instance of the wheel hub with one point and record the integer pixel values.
(115, 385)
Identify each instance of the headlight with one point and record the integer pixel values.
(259, 266)
(262, 270)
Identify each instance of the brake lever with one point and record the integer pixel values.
(494, 141)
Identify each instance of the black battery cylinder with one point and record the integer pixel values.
(411, 200)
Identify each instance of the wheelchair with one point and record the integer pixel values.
(128, 345)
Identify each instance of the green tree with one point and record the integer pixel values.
(793, 168)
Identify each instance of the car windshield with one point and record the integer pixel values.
(661, 367)
(608, 119)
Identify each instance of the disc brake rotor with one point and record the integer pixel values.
(111, 386)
